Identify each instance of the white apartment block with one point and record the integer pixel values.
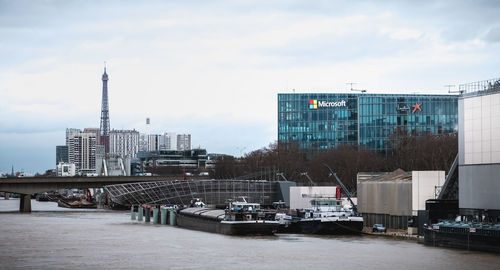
(124, 143)
(82, 150)
(170, 141)
(183, 142)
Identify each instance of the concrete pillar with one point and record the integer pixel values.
(132, 213)
(139, 213)
(172, 217)
(25, 203)
(148, 215)
(155, 215)
(163, 216)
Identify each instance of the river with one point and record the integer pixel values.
(55, 238)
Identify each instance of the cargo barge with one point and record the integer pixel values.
(470, 236)
(240, 218)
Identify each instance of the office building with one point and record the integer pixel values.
(62, 154)
(318, 121)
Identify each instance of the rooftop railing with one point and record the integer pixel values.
(480, 86)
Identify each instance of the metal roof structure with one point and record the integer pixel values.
(181, 192)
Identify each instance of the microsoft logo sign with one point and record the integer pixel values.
(314, 104)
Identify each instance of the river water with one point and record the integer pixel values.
(55, 238)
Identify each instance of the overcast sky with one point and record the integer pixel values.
(213, 68)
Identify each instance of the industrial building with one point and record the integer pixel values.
(479, 148)
(394, 198)
(318, 121)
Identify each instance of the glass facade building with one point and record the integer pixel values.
(318, 121)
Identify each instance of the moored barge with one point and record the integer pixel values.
(240, 218)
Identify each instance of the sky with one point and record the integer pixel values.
(213, 69)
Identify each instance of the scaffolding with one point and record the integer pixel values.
(181, 192)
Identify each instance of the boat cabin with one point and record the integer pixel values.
(322, 208)
(244, 211)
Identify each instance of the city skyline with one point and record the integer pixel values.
(214, 69)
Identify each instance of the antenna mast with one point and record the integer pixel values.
(359, 90)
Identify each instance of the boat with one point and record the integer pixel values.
(480, 236)
(327, 216)
(239, 218)
(79, 203)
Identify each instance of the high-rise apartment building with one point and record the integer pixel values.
(82, 151)
(124, 143)
(183, 142)
(170, 141)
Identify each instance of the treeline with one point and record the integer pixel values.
(427, 152)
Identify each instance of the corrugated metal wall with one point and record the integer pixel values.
(392, 198)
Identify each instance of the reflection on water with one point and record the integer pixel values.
(12, 205)
(110, 240)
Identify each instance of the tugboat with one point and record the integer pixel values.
(239, 218)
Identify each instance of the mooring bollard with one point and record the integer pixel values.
(163, 216)
(172, 217)
(148, 214)
(132, 213)
(155, 215)
(139, 213)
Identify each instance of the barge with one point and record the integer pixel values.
(464, 235)
(240, 218)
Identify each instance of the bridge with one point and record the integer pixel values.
(25, 187)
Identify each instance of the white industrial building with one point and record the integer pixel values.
(392, 198)
(479, 148)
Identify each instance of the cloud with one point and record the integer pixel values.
(214, 69)
(493, 34)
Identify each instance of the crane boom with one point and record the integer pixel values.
(354, 207)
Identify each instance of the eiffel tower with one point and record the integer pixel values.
(104, 129)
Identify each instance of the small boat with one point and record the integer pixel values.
(79, 203)
(239, 218)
